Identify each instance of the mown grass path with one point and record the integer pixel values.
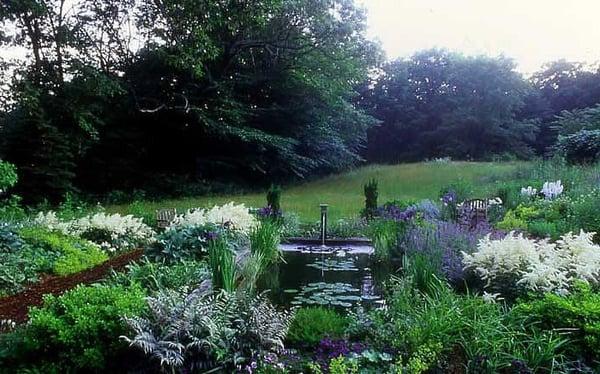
(344, 192)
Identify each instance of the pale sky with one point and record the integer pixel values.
(532, 32)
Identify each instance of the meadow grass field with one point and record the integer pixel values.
(344, 192)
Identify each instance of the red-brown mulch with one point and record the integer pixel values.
(16, 307)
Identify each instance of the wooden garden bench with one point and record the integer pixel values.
(164, 217)
(473, 212)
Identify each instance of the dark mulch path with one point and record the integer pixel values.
(16, 307)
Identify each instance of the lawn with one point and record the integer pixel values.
(344, 192)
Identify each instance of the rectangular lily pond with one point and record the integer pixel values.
(340, 276)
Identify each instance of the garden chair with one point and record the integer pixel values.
(474, 212)
(164, 217)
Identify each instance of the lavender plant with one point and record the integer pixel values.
(444, 242)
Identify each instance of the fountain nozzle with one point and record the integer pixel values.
(323, 223)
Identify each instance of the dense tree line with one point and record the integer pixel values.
(438, 103)
(126, 94)
(157, 94)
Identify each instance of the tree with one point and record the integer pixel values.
(439, 103)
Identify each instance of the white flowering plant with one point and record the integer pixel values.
(236, 217)
(552, 190)
(113, 232)
(529, 192)
(519, 263)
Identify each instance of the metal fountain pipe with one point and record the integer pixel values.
(323, 223)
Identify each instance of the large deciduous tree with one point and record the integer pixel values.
(439, 103)
(216, 89)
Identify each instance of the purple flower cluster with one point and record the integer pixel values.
(425, 208)
(329, 349)
(269, 212)
(446, 241)
(449, 197)
(211, 235)
(393, 212)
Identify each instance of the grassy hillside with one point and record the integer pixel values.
(344, 192)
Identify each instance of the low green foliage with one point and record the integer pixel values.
(73, 260)
(310, 325)
(201, 331)
(181, 243)
(342, 228)
(427, 327)
(154, 276)
(342, 365)
(71, 254)
(576, 315)
(78, 331)
(384, 235)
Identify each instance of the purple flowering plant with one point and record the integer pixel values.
(443, 242)
(329, 349)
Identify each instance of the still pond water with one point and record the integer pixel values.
(341, 277)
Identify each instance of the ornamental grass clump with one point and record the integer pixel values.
(535, 265)
(221, 261)
(264, 241)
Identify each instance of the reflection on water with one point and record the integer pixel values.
(341, 277)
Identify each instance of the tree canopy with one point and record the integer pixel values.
(158, 94)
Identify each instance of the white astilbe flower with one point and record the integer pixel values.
(113, 232)
(234, 216)
(536, 265)
(51, 221)
(552, 190)
(529, 191)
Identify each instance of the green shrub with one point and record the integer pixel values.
(8, 175)
(581, 147)
(311, 325)
(274, 198)
(518, 218)
(543, 229)
(10, 205)
(70, 254)
(76, 332)
(138, 209)
(371, 195)
(577, 315)
(586, 214)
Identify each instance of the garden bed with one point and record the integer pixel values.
(16, 307)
